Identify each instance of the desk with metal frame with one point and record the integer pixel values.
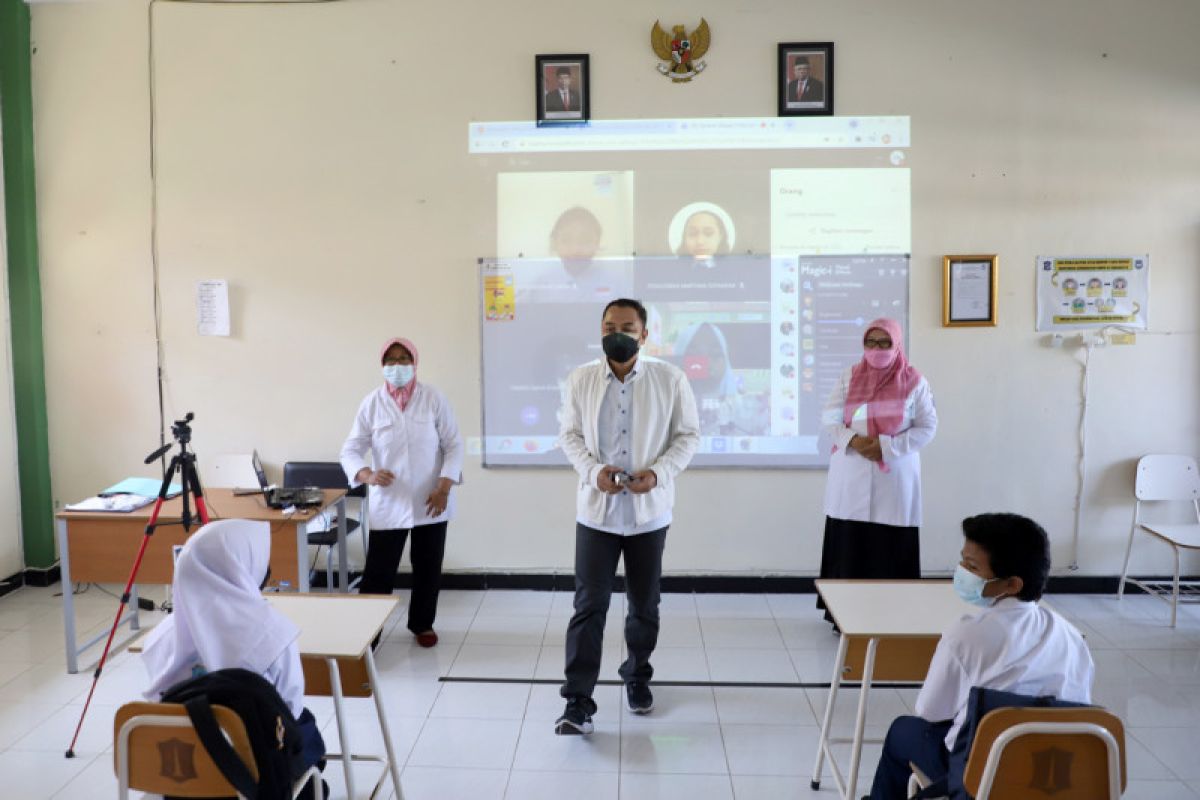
(889, 632)
(336, 632)
(100, 547)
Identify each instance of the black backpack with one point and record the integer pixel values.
(274, 734)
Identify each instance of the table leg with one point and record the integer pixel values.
(68, 595)
(373, 677)
(335, 683)
(302, 584)
(861, 722)
(839, 666)
(135, 621)
(343, 581)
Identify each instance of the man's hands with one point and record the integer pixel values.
(639, 482)
(868, 447)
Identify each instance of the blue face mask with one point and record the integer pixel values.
(970, 587)
(399, 375)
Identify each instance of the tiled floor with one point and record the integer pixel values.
(495, 740)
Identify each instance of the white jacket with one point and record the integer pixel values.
(420, 445)
(666, 433)
(857, 489)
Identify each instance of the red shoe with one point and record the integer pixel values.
(427, 639)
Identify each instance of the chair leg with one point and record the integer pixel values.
(1175, 588)
(1128, 550)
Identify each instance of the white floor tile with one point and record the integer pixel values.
(759, 634)
(493, 661)
(770, 749)
(513, 603)
(1158, 790)
(647, 786)
(475, 743)
(446, 783)
(524, 785)
(750, 666)
(739, 706)
(1174, 747)
(735, 606)
(777, 787)
(482, 700)
(505, 630)
(672, 747)
(679, 664)
(36, 775)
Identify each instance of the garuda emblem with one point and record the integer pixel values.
(681, 51)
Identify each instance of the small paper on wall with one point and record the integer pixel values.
(212, 308)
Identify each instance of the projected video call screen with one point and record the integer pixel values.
(758, 282)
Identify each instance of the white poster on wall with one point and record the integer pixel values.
(1079, 292)
(212, 308)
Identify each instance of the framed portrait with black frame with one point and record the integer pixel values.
(563, 96)
(806, 79)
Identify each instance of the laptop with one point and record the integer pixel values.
(282, 498)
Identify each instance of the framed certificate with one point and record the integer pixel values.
(969, 290)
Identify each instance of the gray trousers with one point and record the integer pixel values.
(596, 557)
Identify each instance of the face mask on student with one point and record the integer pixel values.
(619, 347)
(399, 375)
(970, 587)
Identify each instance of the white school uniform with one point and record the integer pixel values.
(1013, 646)
(220, 619)
(857, 489)
(419, 444)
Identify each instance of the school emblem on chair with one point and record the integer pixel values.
(1051, 770)
(176, 760)
(680, 51)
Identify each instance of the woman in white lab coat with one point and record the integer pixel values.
(879, 416)
(408, 431)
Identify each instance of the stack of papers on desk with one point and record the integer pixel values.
(146, 487)
(115, 502)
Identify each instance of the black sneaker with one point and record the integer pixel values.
(638, 697)
(576, 718)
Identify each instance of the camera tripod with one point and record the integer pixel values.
(183, 463)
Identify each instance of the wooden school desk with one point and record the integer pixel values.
(335, 651)
(100, 547)
(889, 632)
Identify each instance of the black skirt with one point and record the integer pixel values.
(869, 550)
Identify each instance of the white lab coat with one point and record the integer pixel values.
(666, 433)
(857, 489)
(1013, 646)
(420, 445)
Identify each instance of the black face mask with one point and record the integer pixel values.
(619, 347)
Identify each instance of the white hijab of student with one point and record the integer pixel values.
(220, 617)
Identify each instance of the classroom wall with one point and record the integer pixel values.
(309, 154)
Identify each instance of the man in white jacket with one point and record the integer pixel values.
(629, 427)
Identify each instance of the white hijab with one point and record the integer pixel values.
(221, 619)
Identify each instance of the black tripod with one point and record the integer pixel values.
(183, 463)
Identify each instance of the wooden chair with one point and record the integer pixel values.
(1027, 753)
(1166, 478)
(157, 750)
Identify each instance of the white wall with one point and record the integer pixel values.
(307, 154)
(11, 561)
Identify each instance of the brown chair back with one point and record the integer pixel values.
(168, 758)
(1063, 766)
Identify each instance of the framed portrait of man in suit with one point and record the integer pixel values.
(806, 79)
(561, 89)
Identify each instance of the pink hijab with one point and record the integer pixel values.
(883, 391)
(404, 393)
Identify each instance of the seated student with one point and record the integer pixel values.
(221, 620)
(1013, 645)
